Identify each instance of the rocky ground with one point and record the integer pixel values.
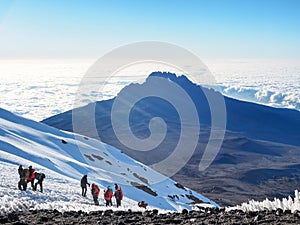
(208, 216)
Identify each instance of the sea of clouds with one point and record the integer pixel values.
(270, 82)
(38, 89)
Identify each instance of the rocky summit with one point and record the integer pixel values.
(205, 216)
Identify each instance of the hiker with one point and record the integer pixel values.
(107, 196)
(31, 177)
(21, 174)
(83, 183)
(118, 195)
(142, 204)
(40, 178)
(95, 193)
(22, 184)
(20, 170)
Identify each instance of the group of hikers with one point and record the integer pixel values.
(28, 175)
(108, 193)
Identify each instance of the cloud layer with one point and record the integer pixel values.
(40, 89)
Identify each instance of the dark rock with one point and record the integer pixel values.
(96, 213)
(297, 214)
(56, 212)
(155, 212)
(138, 213)
(216, 216)
(194, 198)
(13, 217)
(173, 221)
(120, 213)
(214, 210)
(131, 221)
(143, 188)
(108, 212)
(279, 212)
(44, 219)
(222, 209)
(34, 212)
(286, 212)
(252, 214)
(3, 219)
(147, 213)
(185, 211)
(180, 186)
(257, 218)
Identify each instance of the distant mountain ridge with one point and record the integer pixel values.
(253, 132)
(253, 120)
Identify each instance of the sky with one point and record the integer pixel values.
(210, 29)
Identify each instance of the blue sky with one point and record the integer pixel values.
(211, 28)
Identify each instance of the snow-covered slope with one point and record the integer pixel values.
(64, 158)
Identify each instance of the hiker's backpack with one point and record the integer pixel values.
(120, 192)
(107, 194)
(97, 191)
(31, 174)
(117, 194)
(26, 174)
(39, 176)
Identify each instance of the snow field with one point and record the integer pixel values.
(60, 193)
(64, 158)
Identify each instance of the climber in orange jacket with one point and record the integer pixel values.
(95, 193)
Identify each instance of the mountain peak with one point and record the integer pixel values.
(268, 128)
(171, 76)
